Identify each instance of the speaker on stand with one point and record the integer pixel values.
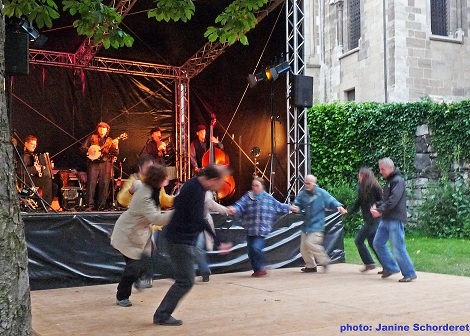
(302, 91)
(16, 53)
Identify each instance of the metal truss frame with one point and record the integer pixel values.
(298, 151)
(183, 165)
(297, 147)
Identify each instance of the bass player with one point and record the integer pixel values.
(101, 151)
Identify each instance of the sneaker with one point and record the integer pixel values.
(309, 269)
(258, 274)
(124, 303)
(405, 279)
(142, 284)
(171, 321)
(205, 278)
(368, 268)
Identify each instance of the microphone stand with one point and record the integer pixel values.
(141, 151)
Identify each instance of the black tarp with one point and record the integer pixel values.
(69, 250)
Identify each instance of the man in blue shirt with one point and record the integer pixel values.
(312, 201)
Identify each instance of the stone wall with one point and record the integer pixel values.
(399, 62)
(426, 171)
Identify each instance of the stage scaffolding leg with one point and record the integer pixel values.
(298, 153)
(183, 167)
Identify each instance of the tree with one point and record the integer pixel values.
(101, 23)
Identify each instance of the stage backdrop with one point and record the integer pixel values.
(69, 250)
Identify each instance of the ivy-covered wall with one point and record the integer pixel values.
(429, 142)
(347, 136)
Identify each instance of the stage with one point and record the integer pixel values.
(286, 302)
(71, 249)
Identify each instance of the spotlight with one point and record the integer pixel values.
(35, 36)
(273, 73)
(268, 74)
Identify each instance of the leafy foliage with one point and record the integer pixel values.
(101, 22)
(445, 213)
(174, 10)
(344, 137)
(237, 19)
(346, 194)
(41, 12)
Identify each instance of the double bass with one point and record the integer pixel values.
(217, 156)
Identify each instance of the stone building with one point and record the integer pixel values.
(388, 50)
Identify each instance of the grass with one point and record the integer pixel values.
(434, 255)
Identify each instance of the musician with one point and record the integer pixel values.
(99, 170)
(163, 153)
(200, 146)
(37, 171)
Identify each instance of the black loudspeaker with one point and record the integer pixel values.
(302, 90)
(16, 53)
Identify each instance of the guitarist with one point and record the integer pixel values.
(99, 170)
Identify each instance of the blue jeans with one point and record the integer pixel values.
(182, 260)
(393, 231)
(201, 261)
(255, 246)
(367, 231)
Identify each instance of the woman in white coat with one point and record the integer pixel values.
(133, 230)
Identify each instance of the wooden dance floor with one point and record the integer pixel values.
(286, 302)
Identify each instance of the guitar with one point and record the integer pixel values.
(96, 151)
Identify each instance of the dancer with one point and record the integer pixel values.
(392, 225)
(132, 231)
(369, 192)
(258, 211)
(312, 201)
(181, 235)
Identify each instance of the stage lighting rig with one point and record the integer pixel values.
(268, 74)
(22, 25)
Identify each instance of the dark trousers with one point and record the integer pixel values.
(133, 271)
(255, 246)
(182, 259)
(98, 173)
(367, 231)
(46, 185)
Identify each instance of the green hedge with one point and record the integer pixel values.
(347, 136)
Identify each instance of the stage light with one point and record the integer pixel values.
(35, 37)
(268, 74)
(255, 151)
(274, 72)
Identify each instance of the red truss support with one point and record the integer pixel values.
(87, 50)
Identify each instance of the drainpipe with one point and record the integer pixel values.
(384, 18)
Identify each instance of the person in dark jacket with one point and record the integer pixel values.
(100, 149)
(369, 192)
(392, 225)
(200, 146)
(182, 232)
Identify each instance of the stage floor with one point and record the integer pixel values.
(286, 302)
